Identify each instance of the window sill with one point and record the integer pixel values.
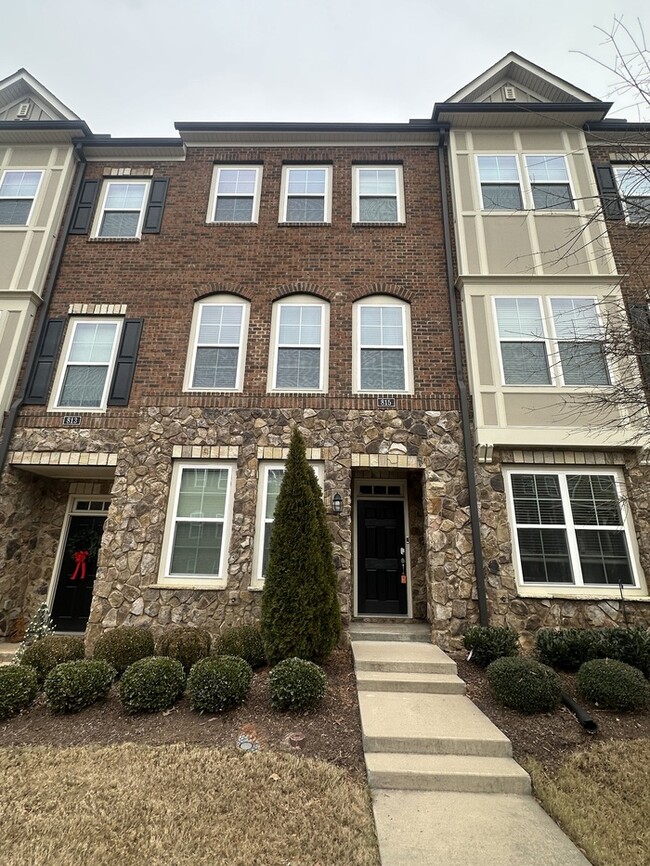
(256, 587)
(114, 240)
(231, 223)
(285, 225)
(580, 594)
(184, 584)
(374, 225)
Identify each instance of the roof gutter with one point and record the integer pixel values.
(468, 444)
(45, 306)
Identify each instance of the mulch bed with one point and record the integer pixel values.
(331, 733)
(550, 737)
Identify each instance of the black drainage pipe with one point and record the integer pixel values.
(582, 716)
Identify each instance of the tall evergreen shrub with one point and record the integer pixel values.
(300, 610)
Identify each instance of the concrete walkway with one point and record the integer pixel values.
(445, 788)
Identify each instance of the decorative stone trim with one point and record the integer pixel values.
(208, 289)
(205, 452)
(387, 461)
(267, 453)
(128, 172)
(62, 458)
(97, 310)
(89, 488)
(302, 288)
(578, 458)
(383, 289)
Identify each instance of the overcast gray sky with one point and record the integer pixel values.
(133, 67)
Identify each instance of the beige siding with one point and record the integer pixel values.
(508, 245)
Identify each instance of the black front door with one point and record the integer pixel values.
(74, 589)
(381, 557)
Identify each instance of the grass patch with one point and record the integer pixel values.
(180, 805)
(601, 798)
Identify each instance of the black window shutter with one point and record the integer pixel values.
(83, 211)
(40, 379)
(155, 206)
(640, 318)
(125, 363)
(612, 207)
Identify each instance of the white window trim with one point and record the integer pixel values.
(407, 348)
(62, 366)
(551, 342)
(14, 197)
(107, 183)
(216, 301)
(577, 589)
(196, 581)
(212, 201)
(327, 197)
(525, 185)
(621, 168)
(301, 301)
(399, 183)
(257, 580)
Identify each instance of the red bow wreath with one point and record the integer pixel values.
(80, 558)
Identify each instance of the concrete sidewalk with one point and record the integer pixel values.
(445, 788)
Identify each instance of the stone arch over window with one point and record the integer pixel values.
(300, 288)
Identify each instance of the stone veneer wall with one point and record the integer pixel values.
(527, 615)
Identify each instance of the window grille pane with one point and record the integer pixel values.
(124, 196)
(300, 325)
(298, 368)
(544, 555)
(594, 500)
(215, 368)
(634, 180)
(537, 499)
(273, 484)
(547, 169)
(237, 181)
(377, 181)
(519, 318)
(583, 364)
(220, 323)
(92, 343)
(525, 364)
(203, 493)
(382, 370)
(197, 548)
(638, 210)
(234, 209)
(381, 326)
(555, 196)
(119, 225)
(15, 212)
(575, 318)
(603, 557)
(16, 184)
(305, 210)
(378, 210)
(303, 181)
(501, 197)
(83, 387)
(498, 169)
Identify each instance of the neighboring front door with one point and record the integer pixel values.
(381, 568)
(77, 570)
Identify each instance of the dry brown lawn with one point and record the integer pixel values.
(176, 805)
(601, 798)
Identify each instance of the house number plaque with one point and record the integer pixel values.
(386, 402)
(72, 420)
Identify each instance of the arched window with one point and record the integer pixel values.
(217, 351)
(382, 361)
(299, 344)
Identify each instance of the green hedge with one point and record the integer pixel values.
(48, 652)
(488, 643)
(71, 686)
(217, 684)
(18, 688)
(122, 646)
(613, 685)
(244, 641)
(184, 643)
(524, 685)
(569, 648)
(297, 684)
(152, 684)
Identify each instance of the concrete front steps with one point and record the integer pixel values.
(445, 788)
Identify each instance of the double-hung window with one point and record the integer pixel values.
(378, 194)
(18, 191)
(570, 528)
(271, 475)
(382, 356)
(88, 363)
(218, 345)
(122, 208)
(633, 183)
(516, 182)
(198, 523)
(235, 196)
(551, 341)
(299, 345)
(306, 195)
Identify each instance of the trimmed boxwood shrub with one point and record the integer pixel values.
(152, 684)
(124, 645)
(524, 685)
(488, 643)
(566, 648)
(48, 652)
(18, 688)
(217, 684)
(629, 645)
(244, 641)
(613, 685)
(71, 686)
(297, 684)
(184, 643)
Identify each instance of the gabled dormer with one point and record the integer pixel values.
(24, 98)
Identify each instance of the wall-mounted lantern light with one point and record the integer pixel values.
(337, 503)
